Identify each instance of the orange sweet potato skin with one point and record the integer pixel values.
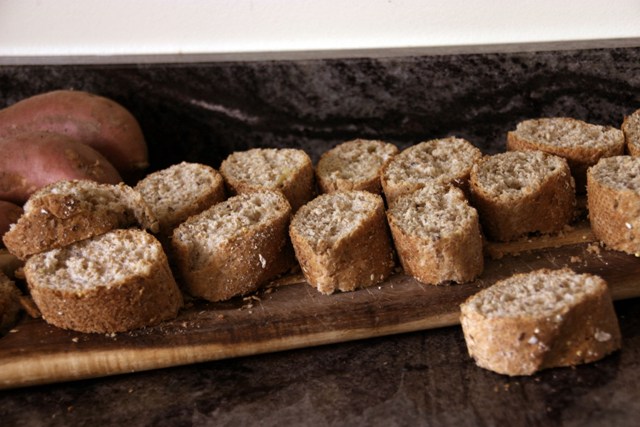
(32, 160)
(9, 214)
(94, 120)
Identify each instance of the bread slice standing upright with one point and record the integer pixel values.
(613, 200)
(581, 143)
(446, 160)
(69, 211)
(342, 241)
(631, 130)
(354, 165)
(235, 246)
(437, 235)
(179, 191)
(114, 282)
(539, 320)
(519, 192)
(287, 170)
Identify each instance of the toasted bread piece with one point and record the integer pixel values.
(69, 211)
(234, 247)
(437, 235)
(342, 241)
(613, 200)
(539, 320)
(287, 170)
(520, 192)
(113, 282)
(9, 303)
(581, 143)
(354, 165)
(631, 130)
(179, 191)
(445, 161)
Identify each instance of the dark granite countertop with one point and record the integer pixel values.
(203, 111)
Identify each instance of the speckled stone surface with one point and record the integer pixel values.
(202, 112)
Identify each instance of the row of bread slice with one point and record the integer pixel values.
(292, 174)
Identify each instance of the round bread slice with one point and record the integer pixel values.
(287, 170)
(342, 241)
(581, 143)
(520, 192)
(354, 165)
(437, 235)
(613, 200)
(539, 320)
(69, 211)
(234, 247)
(9, 303)
(631, 130)
(445, 161)
(114, 282)
(179, 191)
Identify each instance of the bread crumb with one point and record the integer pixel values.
(594, 248)
(75, 339)
(575, 259)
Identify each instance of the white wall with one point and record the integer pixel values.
(63, 28)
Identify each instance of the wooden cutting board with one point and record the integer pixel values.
(291, 314)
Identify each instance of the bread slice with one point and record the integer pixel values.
(342, 241)
(69, 211)
(581, 143)
(9, 303)
(179, 191)
(539, 320)
(114, 282)
(520, 192)
(437, 235)
(354, 165)
(235, 246)
(631, 130)
(446, 160)
(287, 170)
(613, 200)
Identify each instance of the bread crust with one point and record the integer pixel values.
(614, 213)
(363, 258)
(132, 303)
(547, 210)
(442, 256)
(240, 264)
(579, 157)
(522, 345)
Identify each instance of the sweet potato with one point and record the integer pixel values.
(94, 120)
(9, 213)
(31, 160)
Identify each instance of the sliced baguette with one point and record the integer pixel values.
(69, 211)
(631, 130)
(287, 170)
(354, 165)
(581, 143)
(520, 192)
(613, 200)
(114, 282)
(179, 191)
(445, 161)
(539, 320)
(437, 235)
(234, 247)
(342, 241)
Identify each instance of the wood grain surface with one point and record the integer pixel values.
(291, 314)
